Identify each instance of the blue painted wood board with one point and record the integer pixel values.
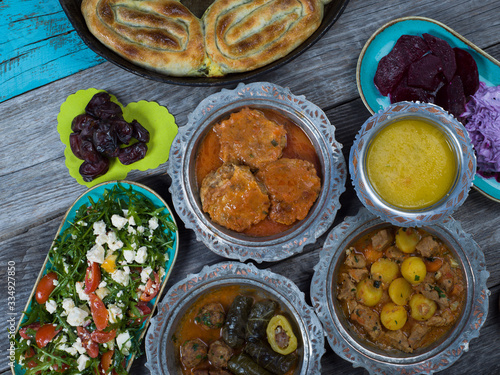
(38, 46)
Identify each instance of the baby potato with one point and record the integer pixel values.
(393, 316)
(413, 270)
(407, 239)
(384, 269)
(422, 308)
(400, 291)
(369, 292)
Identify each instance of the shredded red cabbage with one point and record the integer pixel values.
(482, 121)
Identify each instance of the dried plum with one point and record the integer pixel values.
(82, 121)
(124, 131)
(98, 134)
(425, 72)
(102, 107)
(140, 132)
(133, 153)
(75, 143)
(393, 66)
(105, 141)
(441, 49)
(451, 97)
(90, 171)
(467, 70)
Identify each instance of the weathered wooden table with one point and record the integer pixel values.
(43, 61)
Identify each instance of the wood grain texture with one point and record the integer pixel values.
(39, 46)
(36, 188)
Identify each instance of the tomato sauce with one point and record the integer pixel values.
(299, 146)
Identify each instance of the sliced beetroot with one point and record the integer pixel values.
(467, 70)
(425, 73)
(451, 97)
(403, 92)
(388, 74)
(391, 68)
(443, 50)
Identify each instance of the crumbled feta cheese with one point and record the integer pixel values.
(68, 349)
(76, 317)
(102, 284)
(55, 282)
(125, 212)
(79, 289)
(82, 223)
(118, 221)
(73, 236)
(51, 306)
(142, 287)
(133, 246)
(101, 239)
(96, 254)
(120, 277)
(129, 255)
(112, 237)
(126, 269)
(66, 267)
(131, 220)
(115, 245)
(67, 304)
(119, 294)
(140, 229)
(153, 223)
(145, 274)
(102, 292)
(82, 362)
(115, 313)
(124, 343)
(78, 346)
(99, 228)
(131, 230)
(161, 272)
(142, 254)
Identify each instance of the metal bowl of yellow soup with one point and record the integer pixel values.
(412, 164)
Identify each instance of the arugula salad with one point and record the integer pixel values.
(104, 272)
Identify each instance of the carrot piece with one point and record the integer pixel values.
(371, 254)
(433, 265)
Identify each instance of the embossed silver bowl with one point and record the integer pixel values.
(351, 347)
(162, 358)
(456, 136)
(185, 195)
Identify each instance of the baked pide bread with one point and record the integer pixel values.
(160, 35)
(232, 36)
(244, 35)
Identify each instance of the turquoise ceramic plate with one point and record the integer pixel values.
(95, 194)
(382, 42)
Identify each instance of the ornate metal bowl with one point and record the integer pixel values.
(161, 356)
(351, 347)
(459, 141)
(310, 118)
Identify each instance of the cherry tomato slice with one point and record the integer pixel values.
(145, 312)
(30, 353)
(103, 337)
(92, 278)
(151, 289)
(90, 346)
(45, 334)
(99, 312)
(107, 360)
(45, 287)
(28, 336)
